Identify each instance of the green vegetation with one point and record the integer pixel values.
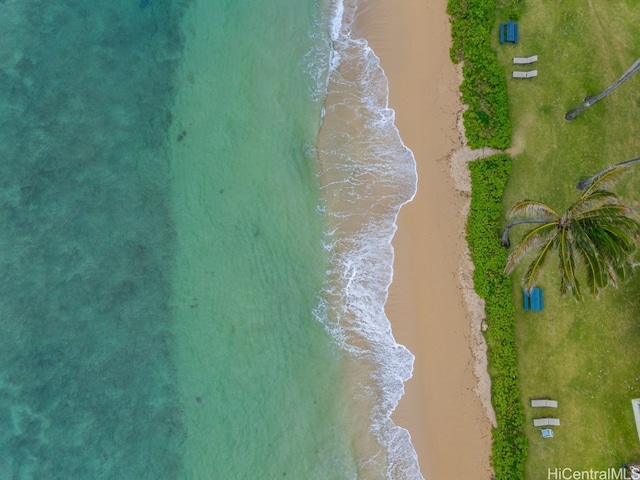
(483, 89)
(584, 354)
(487, 125)
(595, 236)
(488, 179)
(510, 9)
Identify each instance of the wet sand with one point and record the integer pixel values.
(431, 305)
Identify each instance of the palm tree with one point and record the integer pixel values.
(588, 101)
(611, 170)
(596, 233)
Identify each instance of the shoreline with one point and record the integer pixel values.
(432, 306)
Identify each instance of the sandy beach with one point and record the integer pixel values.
(446, 407)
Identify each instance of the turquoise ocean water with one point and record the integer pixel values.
(197, 201)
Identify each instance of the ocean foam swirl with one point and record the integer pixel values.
(366, 175)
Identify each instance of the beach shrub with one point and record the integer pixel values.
(488, 180)
(484, 88)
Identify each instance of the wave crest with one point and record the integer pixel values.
(366, 175)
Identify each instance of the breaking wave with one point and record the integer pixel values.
(366, 175)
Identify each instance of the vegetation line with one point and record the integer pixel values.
(487, 124)
(488, 180)
(484, 88)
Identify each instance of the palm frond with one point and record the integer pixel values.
(531, 240)
(606, 243)
(568, 280)
(615, 242)
(531, 208)
(624, 230)
(597, 197)
(533, 270)
(597, 270)
(607, 177)
(603, 212)
(625, 270)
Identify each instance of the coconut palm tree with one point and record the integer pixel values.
(596, 234)
(611, 170)
(588, 101)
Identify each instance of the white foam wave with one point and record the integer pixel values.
(337, 20)
(367, 174)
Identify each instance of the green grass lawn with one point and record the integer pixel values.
(585, 355)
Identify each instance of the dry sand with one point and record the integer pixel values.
(431, 305)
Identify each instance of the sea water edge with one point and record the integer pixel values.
(257, 372)
(366, 175)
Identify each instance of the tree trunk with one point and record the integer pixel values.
(588, 101)
(505, 234)
(584, 184)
